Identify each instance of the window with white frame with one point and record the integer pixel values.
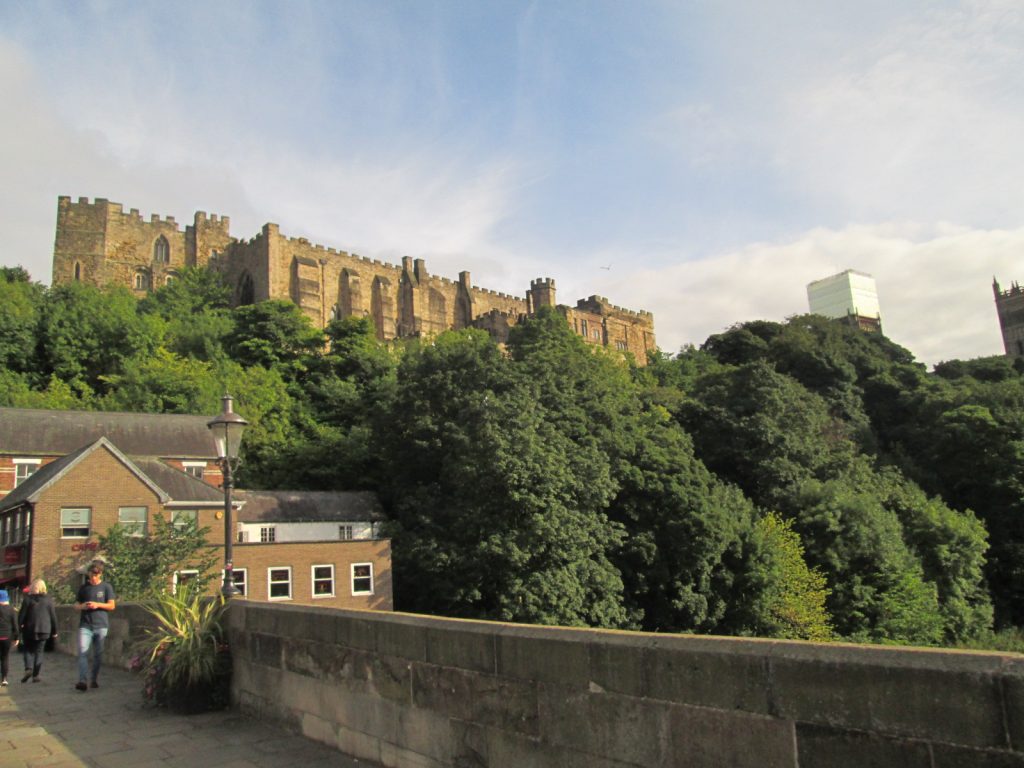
(268, 534)
(194, 468)
(182, 518)
(74, 522)
(183, 578)
(24, 469)
(362, 578)
(240, 578)
(279, 583)
(132, 520)
(323, 581)
(346, 532)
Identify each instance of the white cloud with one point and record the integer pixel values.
(934, 285)
(920, 123)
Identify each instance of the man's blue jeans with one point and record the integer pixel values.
(90, 637)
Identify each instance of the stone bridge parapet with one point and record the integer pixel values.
(406, 690)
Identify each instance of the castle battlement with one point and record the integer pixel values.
(98, 242)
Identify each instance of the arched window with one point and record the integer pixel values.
(161, 250)
(78, 271)
(246, 290)
(140, 281)
(171, 277)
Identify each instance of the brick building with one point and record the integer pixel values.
(131, 468)
(97, 242)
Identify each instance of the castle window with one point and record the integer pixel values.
(78, 271)
(140, 281)
(621, 346)
(171, 277)
(583, 328)
(161, 250)
(246, 290)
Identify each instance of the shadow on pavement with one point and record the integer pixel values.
(50, 724)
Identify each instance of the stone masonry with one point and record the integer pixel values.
(98, 243)
(407, 691)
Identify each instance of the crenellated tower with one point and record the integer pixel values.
(97, 242)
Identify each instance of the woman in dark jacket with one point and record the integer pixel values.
(38, 621)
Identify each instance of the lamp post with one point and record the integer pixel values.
(227, 428)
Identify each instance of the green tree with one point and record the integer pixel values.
(492, 512)
(143, 567)
(196, 310)
(271, 334)
(87, 334)
(163, 383)
(794, 596)
(20, 307)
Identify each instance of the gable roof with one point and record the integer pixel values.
(309, 506)
(37, 432)
(181, 487)
(48, 475)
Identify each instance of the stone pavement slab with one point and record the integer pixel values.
(51, 725)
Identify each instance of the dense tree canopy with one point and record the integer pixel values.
(797, 479)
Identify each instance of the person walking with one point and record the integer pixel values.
(8, 634)
(95, 600)
(38, 621)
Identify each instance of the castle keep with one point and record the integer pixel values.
(98, 243)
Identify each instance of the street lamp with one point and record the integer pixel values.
(227, 428)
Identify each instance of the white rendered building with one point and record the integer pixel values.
(849, 295)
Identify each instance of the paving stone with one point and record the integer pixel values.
(51, 725)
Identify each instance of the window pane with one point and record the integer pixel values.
(74, 523)
(280, 582)
(181, 518)
(132, 520)
(362, 579)
(238, 577)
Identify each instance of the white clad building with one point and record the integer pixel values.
(850, 295)
(276, 517)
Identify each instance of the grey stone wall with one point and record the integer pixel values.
(419, 691)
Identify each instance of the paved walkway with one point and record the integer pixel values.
(51, 725)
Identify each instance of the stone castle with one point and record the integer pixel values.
(98, 243)
(1010, 308)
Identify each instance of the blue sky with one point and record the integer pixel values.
(701, 160)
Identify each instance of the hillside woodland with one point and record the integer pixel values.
(797, 479)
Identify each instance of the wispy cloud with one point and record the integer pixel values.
(934, 285)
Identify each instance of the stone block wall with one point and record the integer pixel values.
(405, 690)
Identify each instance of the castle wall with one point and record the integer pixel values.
(1010, 308)
(110, 246)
